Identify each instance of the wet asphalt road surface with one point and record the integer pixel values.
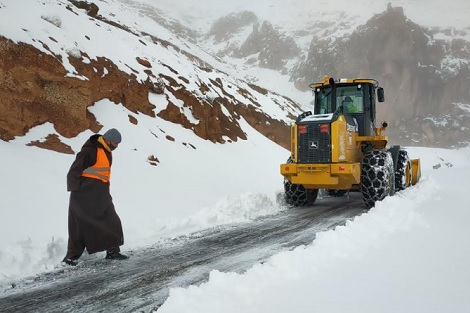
(142, 283)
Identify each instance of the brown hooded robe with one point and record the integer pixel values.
(93, 223)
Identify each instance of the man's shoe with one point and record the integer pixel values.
(116, 256)
(70, 262)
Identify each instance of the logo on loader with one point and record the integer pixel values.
(313, 145)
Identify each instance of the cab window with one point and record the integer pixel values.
(323, 101)
(350, 99)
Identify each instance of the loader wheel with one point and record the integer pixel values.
(403, 173)
(377, 176)
(296, 195)
(336, 193)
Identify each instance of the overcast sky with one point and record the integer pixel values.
(426, 12)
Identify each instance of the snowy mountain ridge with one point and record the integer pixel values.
(424, 68)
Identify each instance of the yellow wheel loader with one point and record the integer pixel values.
(337, 147)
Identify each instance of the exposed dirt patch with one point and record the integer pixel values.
(133, 120)
(153, 160)
(52, 142)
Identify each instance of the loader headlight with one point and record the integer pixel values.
(324, 128)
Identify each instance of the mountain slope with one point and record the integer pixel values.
(199, 71)
(60, 57)
(424, 69)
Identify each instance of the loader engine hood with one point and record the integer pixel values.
(317, 118)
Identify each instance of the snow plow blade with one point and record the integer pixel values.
(416, 171)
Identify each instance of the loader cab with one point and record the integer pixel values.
(352, 97)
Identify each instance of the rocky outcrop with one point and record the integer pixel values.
(35, 89)
(421, 76)
(273, 48)
(91, 8)
(213, 123)
(52, 142)
(448, 131)
(227, 26)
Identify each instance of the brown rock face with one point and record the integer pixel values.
(52, 142)
(34, 89)
(29, 81)
(91, 8)
(214, 124)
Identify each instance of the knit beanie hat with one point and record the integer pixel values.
(112, 135)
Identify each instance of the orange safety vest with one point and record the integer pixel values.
(101, 169)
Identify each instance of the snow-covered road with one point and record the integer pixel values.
(142, 283)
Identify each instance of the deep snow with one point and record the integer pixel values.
(188, 190)
(409, 254)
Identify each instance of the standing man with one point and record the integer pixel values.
(93, 223)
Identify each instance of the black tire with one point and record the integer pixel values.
(336, 193)
(403, 173)
(377, 176)
(296, 195)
